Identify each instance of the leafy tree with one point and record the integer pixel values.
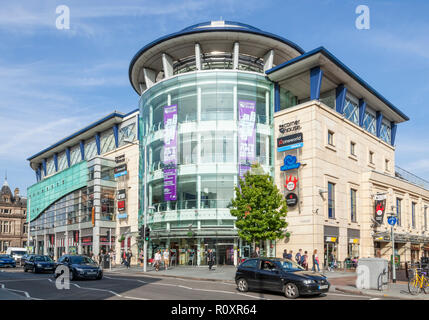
(259, 206)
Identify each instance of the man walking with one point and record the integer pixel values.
(256, 253)
(298, 256)
(210, 259)
(129, 255)
(284, 254)
(289, 256)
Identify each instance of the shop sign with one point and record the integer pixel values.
(356, 241)
(105, 239)
(330, 239)
(121, 205)
(291, 183)
(170, 152)
(293, 141)
(120, 158)
(120, 170)
(291, 199)
(289, 163)
(246, 135)
(289, 127)
(397, 259)
(380, 206)
(87, 240)
(122, 215)
(379, 197)
(121, 194)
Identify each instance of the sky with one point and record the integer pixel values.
(56, 81)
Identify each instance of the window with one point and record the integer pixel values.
(369, 123)
(351, 111)
(352, 148)
(353, 205)
(398, 210)
(371, 157)
(249, 264)
(331, 200)
(425, 216)
(385, 132)
(413, 215)
(387, 164)
(330, 137)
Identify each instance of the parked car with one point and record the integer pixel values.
(7, 261)
(16, 253)
(39, 263)
(24, 258)
(281, 275)
(80, 266)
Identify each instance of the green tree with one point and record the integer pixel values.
(259, 206)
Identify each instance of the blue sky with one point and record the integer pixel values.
(53, 82)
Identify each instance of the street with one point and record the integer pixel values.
(115, 286)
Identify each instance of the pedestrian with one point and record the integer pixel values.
(298, 256)
(304, 260)
(124, 258)
(141, 258)
(210, 259)
(129, 255)
(256, 253)
(289, 255)
(315, 261)
(100, 257)
(166, 258)
(284, 254)
(157, 260)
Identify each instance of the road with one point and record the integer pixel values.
(116, 286)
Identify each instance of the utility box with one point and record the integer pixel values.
(372, 273)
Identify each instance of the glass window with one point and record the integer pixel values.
(328, 98)
(353, 205)
(353, 148)
(249, 264)
(330, 137)
(90, 149)
(62, 161)
(371, 157)
(413, 214)
(385, 132)
(188, 146)
(425, 215)
(287, 99)
(398, 210)
(369, 122)
(187, 192)
(107, 141)
(75, 155)
(50, 166)
(331, 200)
(128, 133)
(187, 101)
(351, 111)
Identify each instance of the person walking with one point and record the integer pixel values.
(100, 258)
(304, 260)
(256, 253)
(284, 254)
(166, 259)
(289, 255)
(210, 259)
(157, 259)
(129, 256)
(298, 256)
(315, 261)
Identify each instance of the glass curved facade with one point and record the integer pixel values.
(207, 142)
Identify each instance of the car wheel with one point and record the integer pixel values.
(34, 270)
(291, 291)
(71, 275)
(25, 269)
(99, 277)
(242, 285)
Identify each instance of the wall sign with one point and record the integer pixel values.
(291, 199)
(120, 158)
(121, 194)
(170, 152)
(120, 170)
(122, 215)
(290, 163)
(291, 183)
(290, 142)
(380, 205)
(289, 126)
(121, 205)
(246, 135)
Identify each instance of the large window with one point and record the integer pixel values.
(90, 149)
(331, 200)
(50, 166)
(398, 210)
(369, 123)
(385, 132)
(75, 155)
(127, 133)
(351, 111)
(353, 210)
(107, 141)
(413, 215)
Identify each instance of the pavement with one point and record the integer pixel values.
(341, 281)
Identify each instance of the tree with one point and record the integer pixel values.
(259, 206)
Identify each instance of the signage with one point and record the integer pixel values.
(380, 205)
(121, 194)
(120, 170)
(290, 163)
(331, 239)
(379, 197)
(246, 135)
(391, 220)
(120, 158)
(107, 239)
(291, 199)
(356, 241)
(122, 215)
(86, 239)
(290, 142)
(291, 183)
(170, 152)
(121, 205)
(289, 127)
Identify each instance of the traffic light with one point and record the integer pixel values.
(141, 232)
(147, 234)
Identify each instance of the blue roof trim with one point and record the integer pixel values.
(109, 116)
(346, 69)
(241, 27)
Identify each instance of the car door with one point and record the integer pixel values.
(268, 276)
(248, 271)
(29, 263)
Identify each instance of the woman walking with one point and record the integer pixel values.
(315, 261)
(157, 260)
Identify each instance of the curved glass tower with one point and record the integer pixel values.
(206, 114)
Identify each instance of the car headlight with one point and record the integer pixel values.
(79, 270)
(309, 281)
(39, 265)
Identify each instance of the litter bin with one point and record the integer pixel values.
(372, 273)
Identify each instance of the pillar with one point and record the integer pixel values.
(316, 76)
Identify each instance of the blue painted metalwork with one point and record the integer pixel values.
(97, 142)
(393, 128)
(276, 97)
(316, 76)
(340, 101)
(362, 108)
(56, 161)
(115, 133)
(44, 166)
(379, 119)
(82, 149)
(68, 156)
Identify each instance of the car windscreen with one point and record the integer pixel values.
(42, 259)
(289, 265)
(18, 253)
(81, 260)
(5, 256)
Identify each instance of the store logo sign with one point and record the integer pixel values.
(291, 199)
(120, 170)
(290, 163)
(291, 183)
(290, 142)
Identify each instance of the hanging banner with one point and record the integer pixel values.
(170, 152)
(380, 205)
(246, 135)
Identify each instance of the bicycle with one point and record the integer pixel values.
(418, 282)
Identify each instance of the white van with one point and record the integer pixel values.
(16, 253)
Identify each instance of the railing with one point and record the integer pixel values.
(405, 175)
(190, 204)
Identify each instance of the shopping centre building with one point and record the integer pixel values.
(215, 98)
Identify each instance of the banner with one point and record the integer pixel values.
(246, 135)
(170, 152)
(380, 206)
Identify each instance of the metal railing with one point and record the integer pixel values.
(405, 175)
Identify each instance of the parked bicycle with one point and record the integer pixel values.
(418, 282)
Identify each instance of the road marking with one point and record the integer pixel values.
(21, 291)
(112, 292)
(346, 295)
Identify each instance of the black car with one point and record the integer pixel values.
(24, 258)
(39, 263)
(79, 267)
(282, 275)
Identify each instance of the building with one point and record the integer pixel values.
(13, 215)
(85, 199)
(214, 98)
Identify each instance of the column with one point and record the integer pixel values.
(393, 127)
(235, 55)
(379, 121)
(45, 244)
(56, 247)
(66, 242)
(167, 65)
(316, 76)
(268, 60)
(235, 106)
(235, 252)
(149, 77)
(199, 192)
(362, 108)
(340, 94)
(276, 97)
(198, 56)
(198, 252)
(198, 104)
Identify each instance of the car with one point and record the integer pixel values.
(24, 258)
(39, 263)
(16, 253)
(80, 266)
(281, 275)
(7, 261)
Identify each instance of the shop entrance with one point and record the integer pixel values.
(225, 254)
(330, 253)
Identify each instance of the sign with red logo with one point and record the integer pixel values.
(291, 199)
(121, 205)
(291, 183)
(380, 206)
(87, 240)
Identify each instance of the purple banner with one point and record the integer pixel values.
(246, 135)
(170, 152)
